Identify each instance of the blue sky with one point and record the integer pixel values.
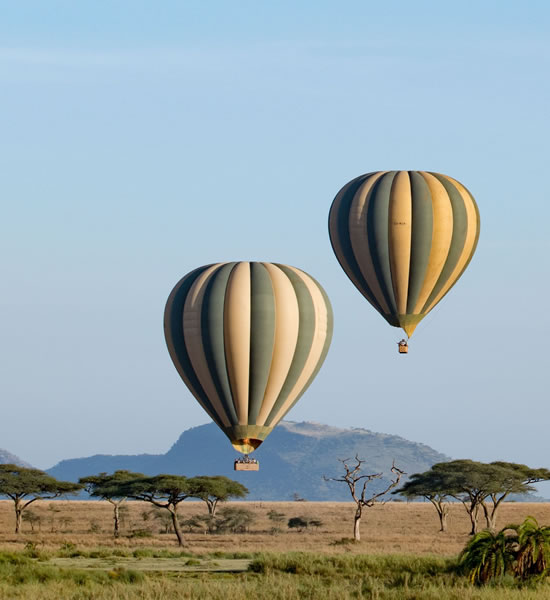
(140, 140)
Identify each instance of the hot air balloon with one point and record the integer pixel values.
(404, 238)
(247, 338)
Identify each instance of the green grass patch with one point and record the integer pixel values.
(148, 574)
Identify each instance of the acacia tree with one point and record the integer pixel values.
(514, 478)
(24, 486)
(357, 485)
(478, 486)
(107, 487)
(163, 491)
(215, 489)
(432, 486)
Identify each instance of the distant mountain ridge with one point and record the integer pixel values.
(293, 460)
(7, 458)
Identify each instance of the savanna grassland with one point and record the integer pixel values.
(72, 554)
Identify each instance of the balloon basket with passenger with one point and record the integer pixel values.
(403, 346)
(246, 463)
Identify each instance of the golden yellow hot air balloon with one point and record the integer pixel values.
(247, 338)
(404, 238)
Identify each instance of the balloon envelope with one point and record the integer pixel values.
(247, 338)
(404, 238)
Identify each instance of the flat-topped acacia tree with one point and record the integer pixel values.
(214, 489)
(432, 486)
(515, 478)
(107, 487)
(479, 486)
(24, 486)
(163, 491)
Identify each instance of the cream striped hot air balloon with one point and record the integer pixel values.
(404, 238)
(247, 338)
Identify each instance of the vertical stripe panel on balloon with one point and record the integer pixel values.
(213, 338)
(303, 344)
(358, 235)
(287, 323)
(192, 326)
(262, 336)
(378, 234)
(442, 234)
(472, 234)
(477, 225)
(339, 237)
(460, 227)
(329, 330)
(317, 352)
(173, 330)
(421, 237)
(400, 227)
(237, 337)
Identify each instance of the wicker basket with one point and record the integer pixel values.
(246, 466)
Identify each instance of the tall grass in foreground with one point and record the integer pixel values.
(281, 576)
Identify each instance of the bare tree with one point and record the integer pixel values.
(354, 480)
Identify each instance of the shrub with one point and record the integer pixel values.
(521, 550)
(234, 519)
(489, 555)
(95, 527)
(297, 523)
(303, 522)
(533, 553)
(140, 533)
(275, 516)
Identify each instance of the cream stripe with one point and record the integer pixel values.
(469, 242)
(317, 344)
(287, 321)
(358, 234)
(441, 237)
(236, 326)
(193, 339)
(399, 238)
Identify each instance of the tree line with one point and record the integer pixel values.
(24, 486)
(480, 487)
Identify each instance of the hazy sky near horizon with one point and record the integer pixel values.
(140, 140)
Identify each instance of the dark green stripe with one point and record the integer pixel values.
(378, 235)
(173, 331)
(212, 311)
(460, 227)
(306, 330)
(421, 236)
(262, 337)
(348, 261)
(324, 351)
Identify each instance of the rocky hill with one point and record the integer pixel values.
(7, 458)
(293, 460)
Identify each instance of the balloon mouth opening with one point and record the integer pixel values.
(246, 445)
(406, 322)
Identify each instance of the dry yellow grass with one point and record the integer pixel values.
(404, 528)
